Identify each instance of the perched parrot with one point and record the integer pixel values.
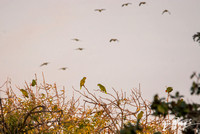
(169, 89)
(82, 82)
(103, 89)
(24, 92)
(33, 83)
(139, 116)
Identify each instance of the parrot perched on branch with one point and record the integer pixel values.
(82, 82)
(169, 89)
(103, 89)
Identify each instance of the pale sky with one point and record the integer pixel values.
(154, 50)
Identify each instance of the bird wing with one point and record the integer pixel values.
(76, 39)
(79, 48)
(45, 63)
(142, 3)
(165, 11)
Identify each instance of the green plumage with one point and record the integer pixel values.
(82, 82)
(169, 89)
(103, 89)
(24, 92)
(139, 116)
(33, 83)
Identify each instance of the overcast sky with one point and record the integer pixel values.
(154, 50)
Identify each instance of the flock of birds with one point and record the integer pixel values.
(46, 63)
(126, 4)
(111, 40)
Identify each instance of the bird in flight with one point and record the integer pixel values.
(126, 4)
(142, 3)
(166, 11)
(114, 40)
(99, 10)
(63, 68)
(80, 48)
(44, 64)
(75, 39)
(196, 37)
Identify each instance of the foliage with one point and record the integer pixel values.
(188, 112)
(131, 129)
(43, 108)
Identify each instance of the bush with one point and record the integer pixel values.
(43, 108)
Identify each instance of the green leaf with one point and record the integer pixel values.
(139, 116)
(103, 89)
(82, 82)
(33, 83)
(169, 89)
(24, 92)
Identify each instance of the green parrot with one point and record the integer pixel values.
(33, 83)
(103, 89)
(169, 89)
(139, 116)
(82, 82)
(24, 92)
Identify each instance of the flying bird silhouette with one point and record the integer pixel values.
(80, 48)
(126, 4)
(63, 68)
(142, 3)
(99, 10)
(75, 39)
(166, 11)
(44, 64)
(196, 37)
(114, 40)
